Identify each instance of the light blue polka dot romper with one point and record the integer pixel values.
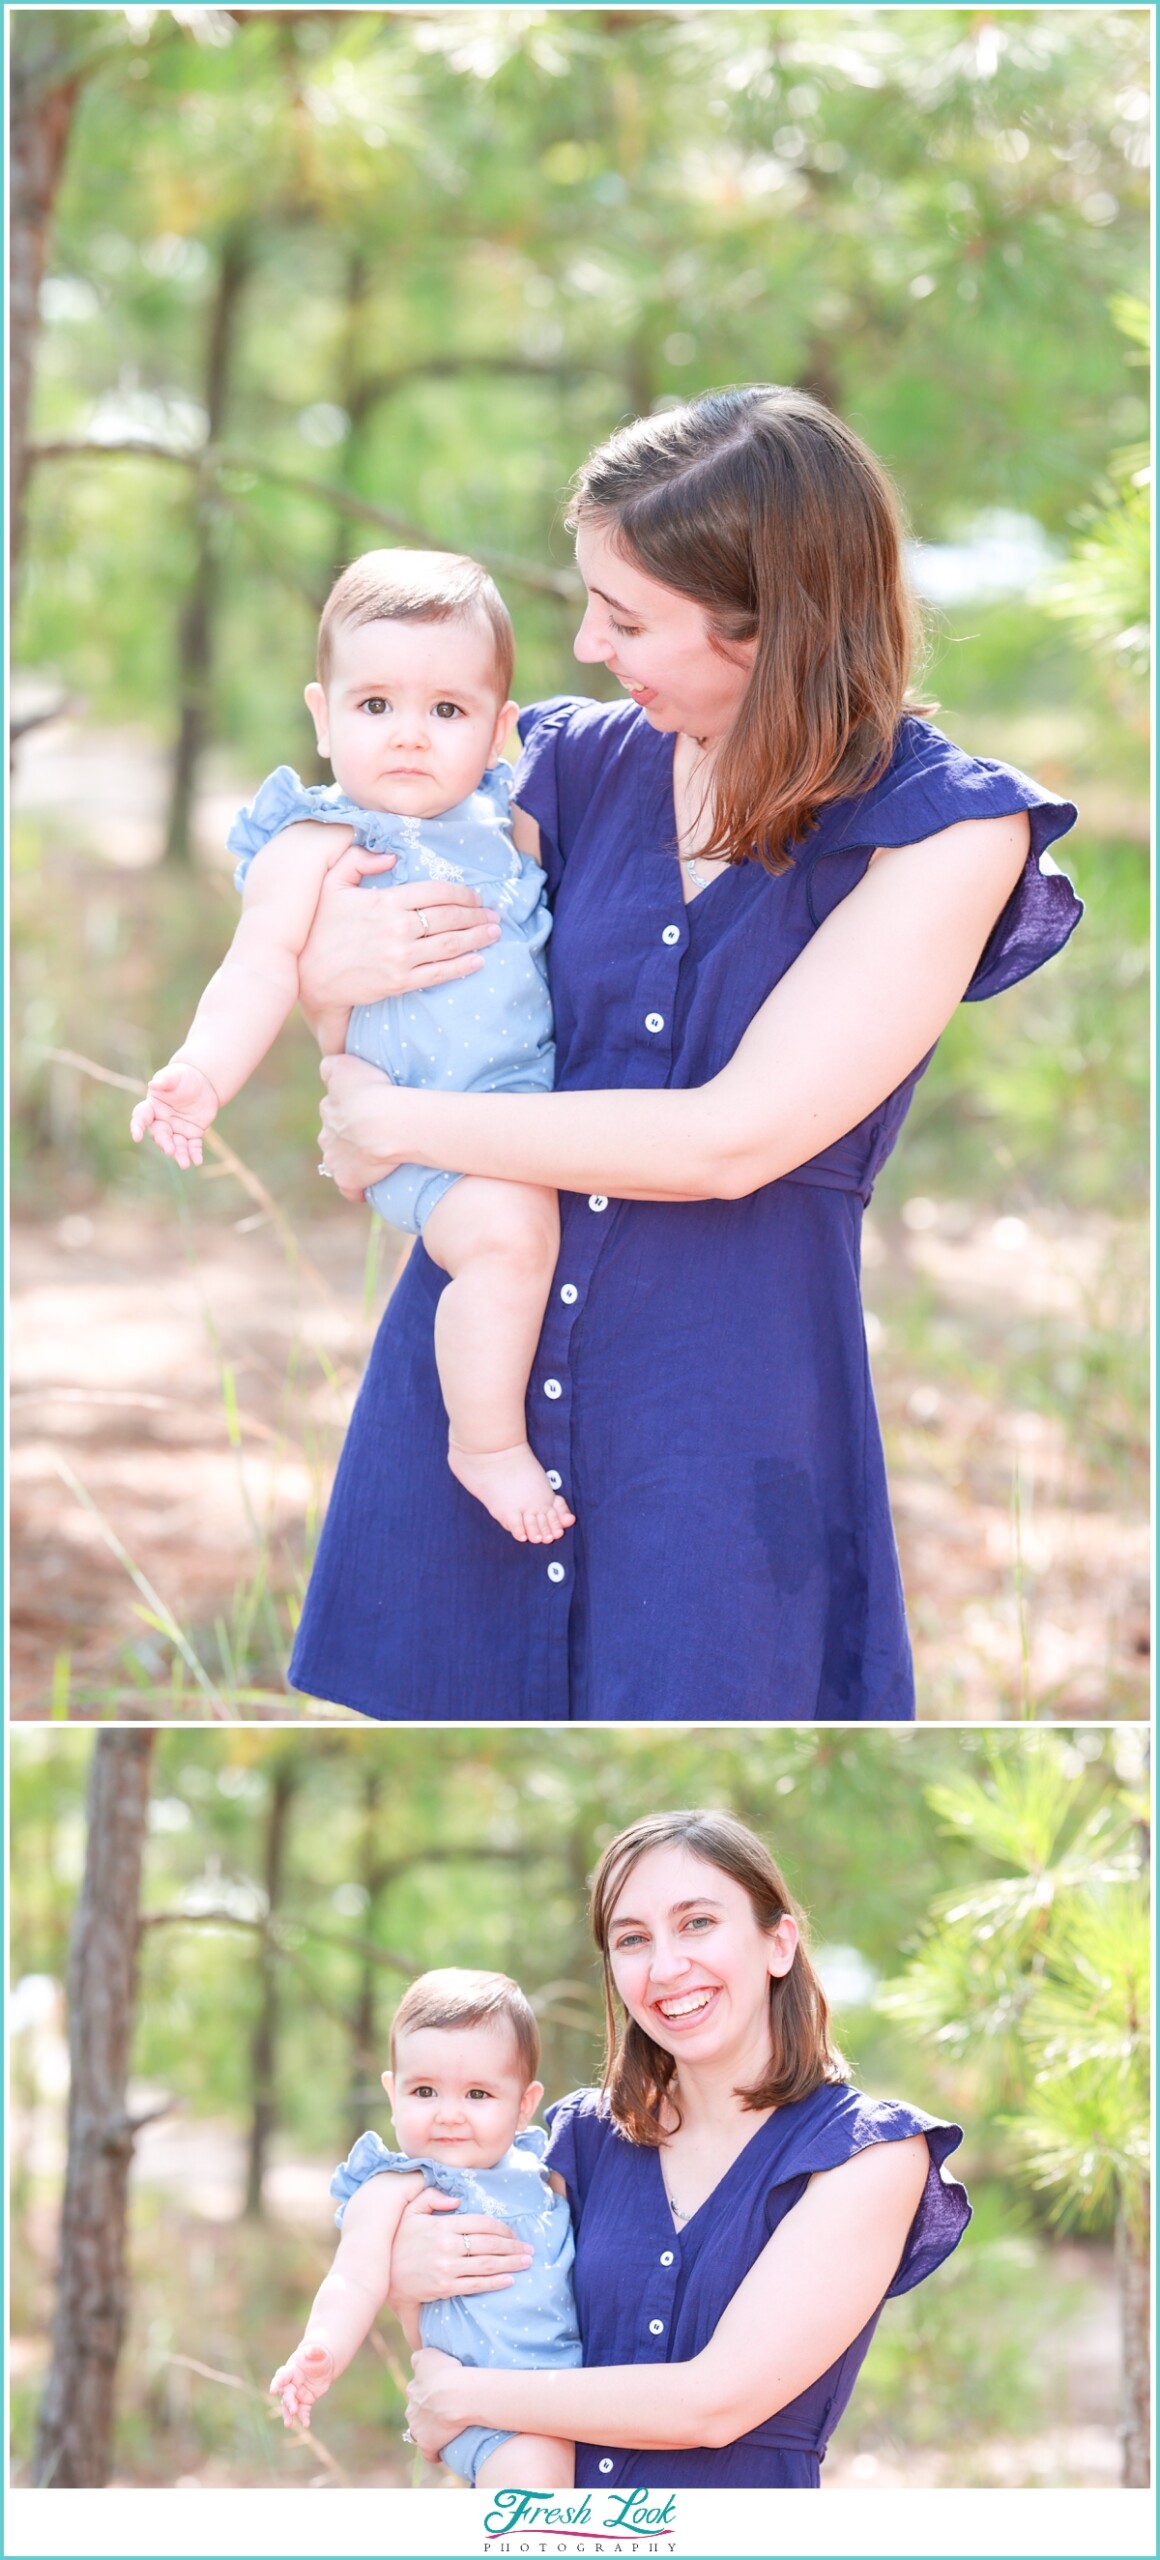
(533, 2322)
(490, 1032)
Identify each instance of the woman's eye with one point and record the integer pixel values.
(448, 711)
(702, 1920)
(624, 1946)
(375, 702)
(624, 630)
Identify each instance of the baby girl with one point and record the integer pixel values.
(464, 2048)
(415, 658)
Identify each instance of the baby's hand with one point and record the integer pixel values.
(180, 1103)
(302, 2380)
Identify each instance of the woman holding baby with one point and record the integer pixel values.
(616, 1453)
(772, 881)
(739, 2212)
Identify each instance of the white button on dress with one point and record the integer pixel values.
(570, 1292)
(553, 1388)
(654, 1022)
(596, 1200)
(672, 933)
(555, 1573)
(657, 2328)
(604, 2465)
(666, 2257)
(554, 1480)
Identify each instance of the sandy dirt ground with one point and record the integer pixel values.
(179, 1395)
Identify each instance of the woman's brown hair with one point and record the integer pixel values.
(638, 2073)
(760, 505)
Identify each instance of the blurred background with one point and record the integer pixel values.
(977, 1903)
(294, 283)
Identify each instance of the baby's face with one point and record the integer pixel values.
(459, 2094)
(410, 719)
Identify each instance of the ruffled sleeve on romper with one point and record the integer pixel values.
(370, 2158)
(282, 800)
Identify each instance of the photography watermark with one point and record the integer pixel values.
(640, 2523)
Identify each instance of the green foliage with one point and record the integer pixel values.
(1105, 589)
(968, 2356)
(1034, 1982)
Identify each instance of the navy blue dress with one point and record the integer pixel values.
(702, 1390)
(648, 2294)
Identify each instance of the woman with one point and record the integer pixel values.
(771, 885)
(741, 2213)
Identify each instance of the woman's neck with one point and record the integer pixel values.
(706, 2095)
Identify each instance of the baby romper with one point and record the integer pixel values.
(531, 2323)
(490, 1032)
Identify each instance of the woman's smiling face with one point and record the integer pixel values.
(656, 642)
(689, 1960)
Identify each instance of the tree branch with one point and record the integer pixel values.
(563, 584)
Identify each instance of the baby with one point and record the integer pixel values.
(464, 2047)
(415, 657)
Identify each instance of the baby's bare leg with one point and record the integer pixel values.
(529, 2462)
(499, 1241)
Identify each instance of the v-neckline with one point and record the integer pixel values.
(682, 2228)
(675, 834)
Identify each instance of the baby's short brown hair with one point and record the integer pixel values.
(452, 1996)
(418, 586)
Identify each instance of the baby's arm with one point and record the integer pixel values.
(349, 2299)
(249, 997)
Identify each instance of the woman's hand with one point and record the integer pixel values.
(439, 2251)
(361, 947)
(303, 2378)
(362, 1134)
(435, 2402)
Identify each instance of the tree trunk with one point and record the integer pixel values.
(1135, 2385)
(196, 628)
(365, 2064)
(45, 79)
(74, 2444)
(264, 2040)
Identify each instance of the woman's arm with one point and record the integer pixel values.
(809, 2295)
(855, 1014)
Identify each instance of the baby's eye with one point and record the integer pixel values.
(376, 703)
(479, 2093)
(424, 2090)
(448, 711)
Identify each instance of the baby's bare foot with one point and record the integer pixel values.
(512, 1485)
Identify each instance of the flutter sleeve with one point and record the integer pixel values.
(282, 800)
(932, 784)
(851, 2125)
(580, 2126)
(568, 746)
(369, 2158)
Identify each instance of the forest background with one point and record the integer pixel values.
(979, 1911)
(290, 283)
